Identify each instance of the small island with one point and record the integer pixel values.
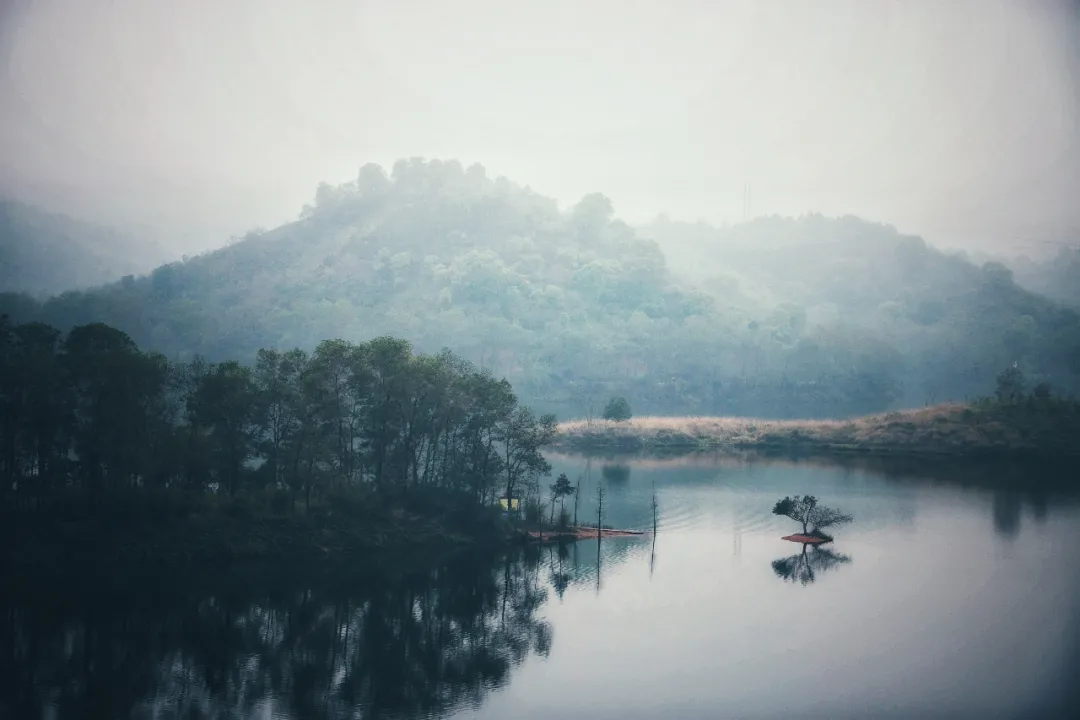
(814, 518)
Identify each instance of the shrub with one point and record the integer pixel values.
(617, 409)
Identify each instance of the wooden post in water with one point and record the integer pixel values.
(599, 527)
(652, 550)
(654, 509)
(599, 510)
(577, 496)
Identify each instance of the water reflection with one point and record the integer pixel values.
(616, 474)
(804, 567)
(392, 642)
(423, 640)
(558, 557)
(1015, 491)
(1007, 507)
(389, 643)
(1008, 510)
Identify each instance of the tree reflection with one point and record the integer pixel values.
(804, 567)
(559, 578)
(1007, 508)
(390, 643)
(616, 474)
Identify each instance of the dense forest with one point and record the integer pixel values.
(93, 419)
(45, 253)
(808, 317)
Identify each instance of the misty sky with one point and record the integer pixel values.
(956, 119)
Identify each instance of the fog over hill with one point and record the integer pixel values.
(44, 253)
(957, 122)
(809, 316)
(823, 208)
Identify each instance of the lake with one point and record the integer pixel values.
(952, 594)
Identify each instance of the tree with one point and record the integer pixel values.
(523, 436)
(111, 385)
(1011, 385)
(591, 215)
(813, 517)
(92, 412)
(277, 381)
(587, 397)
(40, 401)
(224, 402)
(372, 180)
(617, 409)
(1042, 391)
(559, 491)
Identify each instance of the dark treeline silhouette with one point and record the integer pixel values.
(415, 640)
(90, 420)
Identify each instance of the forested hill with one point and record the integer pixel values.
(44, 253)
(575, 305)
(950, 321)
(1057, 278)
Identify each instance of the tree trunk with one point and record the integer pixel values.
(577, 495)
(307, 489)
(599, 513)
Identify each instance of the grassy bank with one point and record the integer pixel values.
(1050, 427)
(175, 530)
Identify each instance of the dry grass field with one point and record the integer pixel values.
(938, 429)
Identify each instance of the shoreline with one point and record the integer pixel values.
(140, 537)
(943, 431)
(581, 532)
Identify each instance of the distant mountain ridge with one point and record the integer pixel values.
(1057, 278)
(46, 253)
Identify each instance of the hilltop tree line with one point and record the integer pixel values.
(91, 414)
(807, 317)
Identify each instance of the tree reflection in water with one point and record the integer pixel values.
(402, 642)
(804, 567)
(560, 578)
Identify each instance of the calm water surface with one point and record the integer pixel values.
(949, 596)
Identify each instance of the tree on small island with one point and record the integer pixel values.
(1012, 385)
(617, 409)
(814, 518)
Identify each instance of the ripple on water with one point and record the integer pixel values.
(682, 513)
